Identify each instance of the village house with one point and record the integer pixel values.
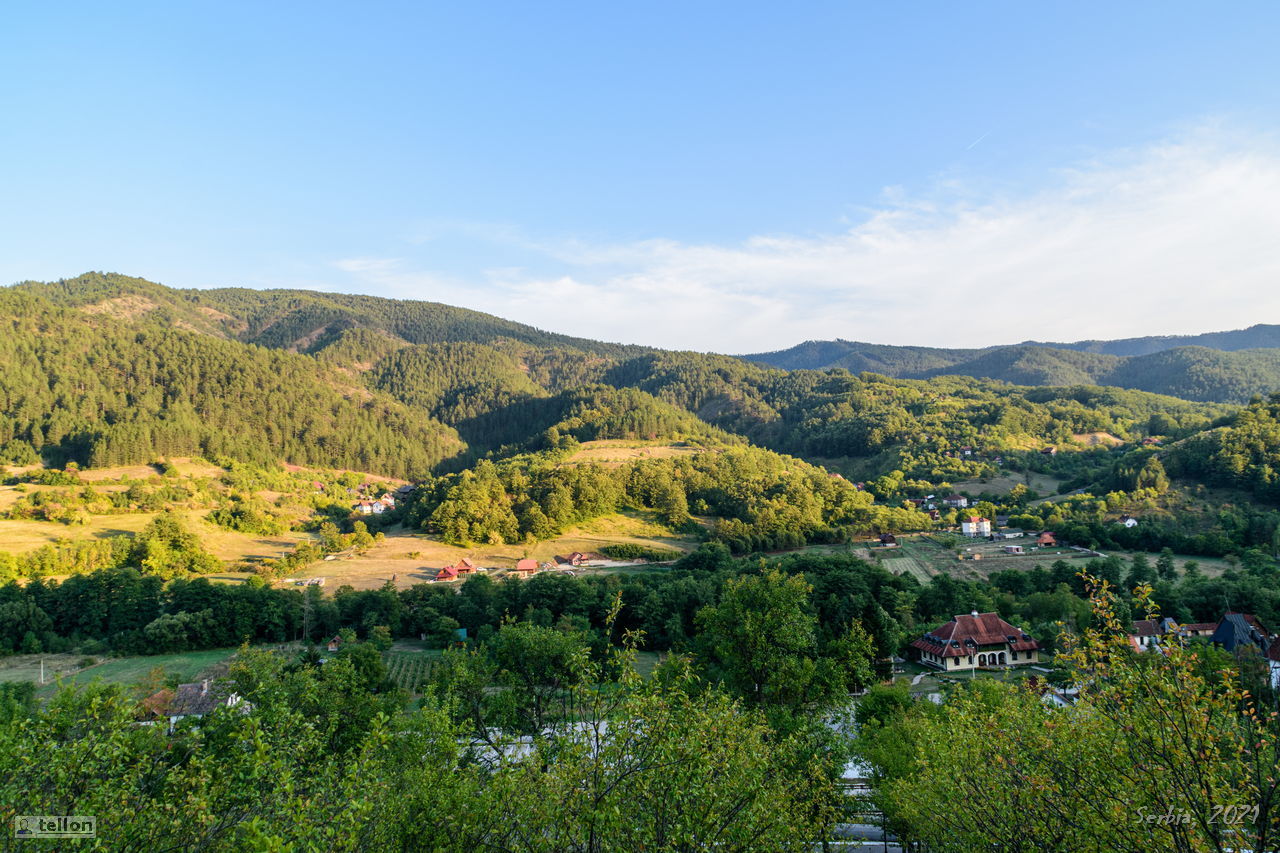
(527, 566)
(1128, 521)
(974, 641)
(888, 540)
(956, 502)
(452, 573)
(1145, 634)
(976, 525)
(1046, 539)
(1233, 631)
(194, 700)
(335, 643)
(1240, 629)
(1013, 549)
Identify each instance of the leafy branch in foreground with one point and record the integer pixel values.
(1157, 752)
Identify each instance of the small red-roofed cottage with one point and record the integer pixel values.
(1046, 539)
(448, 573)
(976, 640)
(465, 566)
(527, 566)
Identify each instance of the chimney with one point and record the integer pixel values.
(204, 687)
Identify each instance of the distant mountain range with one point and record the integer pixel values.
(1213, 367)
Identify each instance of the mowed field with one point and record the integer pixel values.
(922, 557)
(1042, 484)
(18, 536)
(614, 452)
(127, 671)
(408, 557)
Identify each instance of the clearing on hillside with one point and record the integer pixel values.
(1040, 483)
(412, 557)
(614, 452)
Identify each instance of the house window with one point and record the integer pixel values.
(1015, 656)
(970, 658)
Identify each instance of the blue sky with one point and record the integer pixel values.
(726, 176)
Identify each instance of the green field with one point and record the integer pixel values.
(908, 565)
(127, 671)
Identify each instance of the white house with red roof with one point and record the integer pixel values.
(974, 641)
(976, 526)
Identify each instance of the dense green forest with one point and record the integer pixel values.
(96, 391)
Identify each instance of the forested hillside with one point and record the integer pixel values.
(1245, 454)
(1210, 368)
(106, 369)
(94, 390)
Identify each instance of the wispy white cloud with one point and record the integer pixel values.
(1177, 237)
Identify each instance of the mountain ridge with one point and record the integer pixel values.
(1172, 365)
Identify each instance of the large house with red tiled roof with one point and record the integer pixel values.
(976, 640)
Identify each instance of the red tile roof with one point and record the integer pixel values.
(448, 573)
(965, 634)
(528, 564)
